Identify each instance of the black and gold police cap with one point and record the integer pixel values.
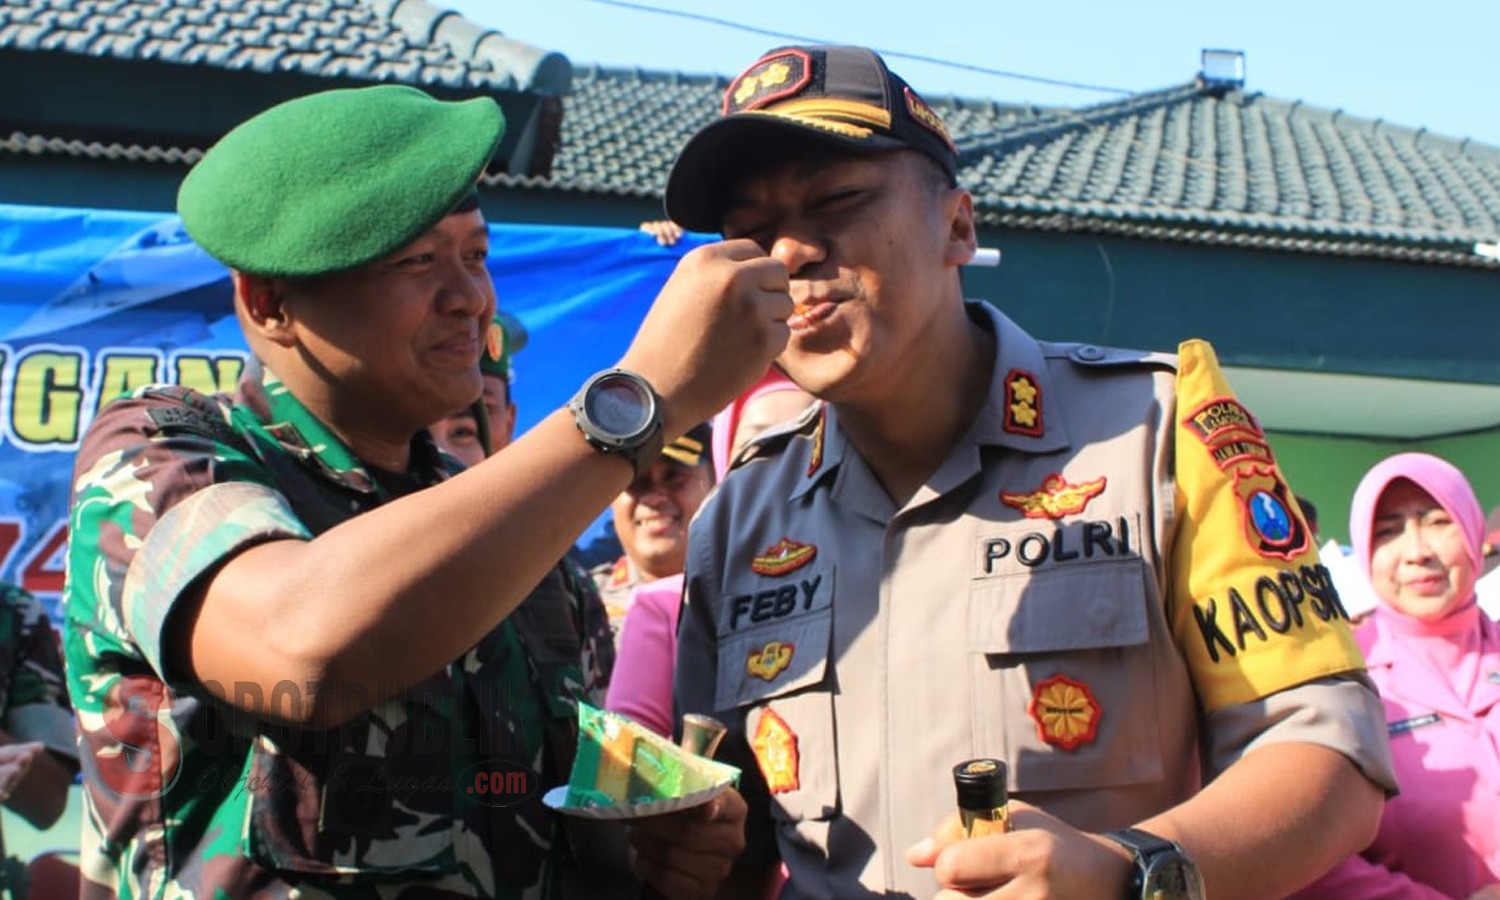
(692, 448)
(336, 179)
(835, 95)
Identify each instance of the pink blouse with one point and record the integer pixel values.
(641, 685)
(1440, 683)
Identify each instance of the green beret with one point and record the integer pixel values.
(336, 179)
(506, 336)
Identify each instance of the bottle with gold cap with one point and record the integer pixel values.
(983, 802)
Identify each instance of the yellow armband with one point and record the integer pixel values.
(1251, 607)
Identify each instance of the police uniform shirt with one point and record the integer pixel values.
(1064, 593)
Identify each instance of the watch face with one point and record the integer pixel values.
(619, 407)
(1172, 876)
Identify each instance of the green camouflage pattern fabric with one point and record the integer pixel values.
(33, 694)
(435, 792)
(591, 620)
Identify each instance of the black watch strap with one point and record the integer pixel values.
(1142, 846)
(647, 453)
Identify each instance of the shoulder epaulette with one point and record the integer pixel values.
(1093, 355)
(194, 413)
(775, 439)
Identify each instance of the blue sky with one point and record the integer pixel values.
(1432, 64)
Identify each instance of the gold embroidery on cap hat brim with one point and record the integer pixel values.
(850, 111)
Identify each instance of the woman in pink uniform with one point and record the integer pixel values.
(1417, 530)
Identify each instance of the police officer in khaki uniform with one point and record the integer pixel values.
(651, 521)
(1081, 561)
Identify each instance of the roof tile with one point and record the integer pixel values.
(1179, 163)
(435, 45)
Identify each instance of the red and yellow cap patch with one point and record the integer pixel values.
(1065, 712)
(1056, 497)
(775, 746)
(924, 116)
(619, 576)
(770, 660)
(770, 78)
(786, 555)
(494, 341)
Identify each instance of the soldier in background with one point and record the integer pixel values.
(488, 424)
(563, 619)
(38, 745)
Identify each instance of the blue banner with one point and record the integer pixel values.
(97, 302)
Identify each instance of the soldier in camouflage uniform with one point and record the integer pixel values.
(38, 747)
(296, 672)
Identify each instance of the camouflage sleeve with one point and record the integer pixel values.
(154, 508)
(36, 697)
(595, 636)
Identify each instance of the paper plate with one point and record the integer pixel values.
(557, 797)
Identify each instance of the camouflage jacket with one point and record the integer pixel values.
(433, 793)
(33, 698)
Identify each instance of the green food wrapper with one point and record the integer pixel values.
(629, 769)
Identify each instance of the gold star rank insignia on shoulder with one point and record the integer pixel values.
(1023, 403)
(815, 460)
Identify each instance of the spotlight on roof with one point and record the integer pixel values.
(1222, 70)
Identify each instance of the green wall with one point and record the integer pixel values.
(1327, 469)
(1263, 309)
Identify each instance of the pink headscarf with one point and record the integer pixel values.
(728, 420)
(1438, 477)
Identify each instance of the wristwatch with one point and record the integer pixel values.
(618, 412)
(1162, 870)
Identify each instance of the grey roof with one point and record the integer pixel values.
(1184, 163)
(622, 128)
(1184, 159)
(409, 41)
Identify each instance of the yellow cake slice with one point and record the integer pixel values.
(622, 763)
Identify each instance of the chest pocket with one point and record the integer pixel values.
(774, 676)
(1065, 681)
(372, 799)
